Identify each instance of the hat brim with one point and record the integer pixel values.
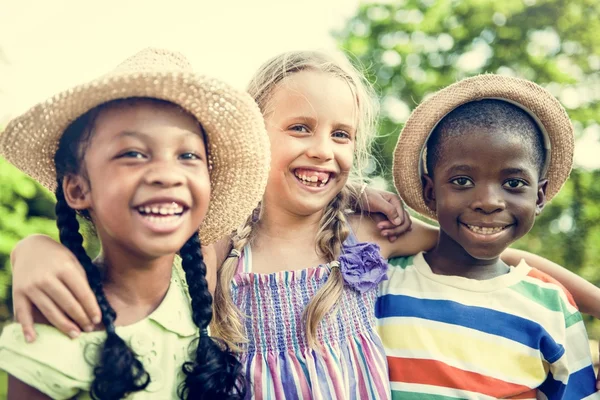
(238, 145)
(540, 104)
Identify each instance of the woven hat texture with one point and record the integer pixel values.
(543, 107)
(238, 144)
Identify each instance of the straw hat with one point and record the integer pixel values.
(238, 144)
(545, 109)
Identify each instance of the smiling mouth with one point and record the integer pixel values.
(312, 178)
(161, 212)
(482, 230)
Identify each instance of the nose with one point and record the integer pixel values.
(163, 174)
(321, 146)
(488, 199)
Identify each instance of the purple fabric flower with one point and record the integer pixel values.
(362, 266)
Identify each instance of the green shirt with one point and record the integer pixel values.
(62, 368)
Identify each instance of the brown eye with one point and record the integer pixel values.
(514, 184)
(462, 181)
(132, 154)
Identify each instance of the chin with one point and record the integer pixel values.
(486, 253)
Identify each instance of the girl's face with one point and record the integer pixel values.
(147, 188)
(311, 121)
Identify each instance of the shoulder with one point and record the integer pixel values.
(420, 237)
(54, 364)
(547, 284)
(365, 228)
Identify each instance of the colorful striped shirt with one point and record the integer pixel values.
(278, 361)
(516, 336)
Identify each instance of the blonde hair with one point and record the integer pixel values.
(333, 228)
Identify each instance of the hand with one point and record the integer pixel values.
(379, 201)
(48, 276)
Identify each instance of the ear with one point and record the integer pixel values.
(429, 192)
(541, 196)
(77, 193)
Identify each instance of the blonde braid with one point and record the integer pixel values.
(332, 233)
(228, 319)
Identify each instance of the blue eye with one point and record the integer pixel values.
(462, 181)
(514, 184)
(298, 128)
(341, 135)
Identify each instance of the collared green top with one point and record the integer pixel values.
(62, 367)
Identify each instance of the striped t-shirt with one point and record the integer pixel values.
(516, 336)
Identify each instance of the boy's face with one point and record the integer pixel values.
(485, 191)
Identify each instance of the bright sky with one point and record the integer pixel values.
(46, 46)
(49, 45)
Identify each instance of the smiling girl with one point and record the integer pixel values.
(132, 156)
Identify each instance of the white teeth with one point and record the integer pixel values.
(485, 230)
(312, 180)
(161, 220)
(171, 209)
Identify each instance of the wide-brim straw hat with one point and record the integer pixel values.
(238, 145)
(541, 105)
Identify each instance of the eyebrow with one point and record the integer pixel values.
(138, 135)
(460, 168)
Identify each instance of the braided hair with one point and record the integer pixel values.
(214, 371)
(118, 371)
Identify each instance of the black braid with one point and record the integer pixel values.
(118, 372)
(215, 373)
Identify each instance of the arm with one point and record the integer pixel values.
(586, 295)
(421, 236)
(48, 276)
(18, 390)
(374, 201)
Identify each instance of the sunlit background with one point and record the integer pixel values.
(408, 48)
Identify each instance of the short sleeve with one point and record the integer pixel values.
(54, 364)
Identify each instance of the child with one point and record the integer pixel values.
(137, 153)
(482, 157)
(319, 113)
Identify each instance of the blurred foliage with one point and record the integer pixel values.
(25, 208)
(411, 48)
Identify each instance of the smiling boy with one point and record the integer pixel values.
(482, 157)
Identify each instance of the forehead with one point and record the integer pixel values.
(315, 93)
(160, 119)
(487, 146)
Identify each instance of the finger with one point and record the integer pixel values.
(397, 230)
(397, 217)
(23, 314)
(66, 301)
(55, 316)
(385, 225)
(80, 287)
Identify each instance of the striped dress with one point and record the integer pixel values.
(516, 336)
(278, 362)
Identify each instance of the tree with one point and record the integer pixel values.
(412, 48)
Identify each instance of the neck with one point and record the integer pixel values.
(450, 258)
(134, 280)
(281, 225)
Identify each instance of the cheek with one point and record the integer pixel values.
(346, 157)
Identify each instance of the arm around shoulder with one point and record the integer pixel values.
(586, 295)
(421, 236)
